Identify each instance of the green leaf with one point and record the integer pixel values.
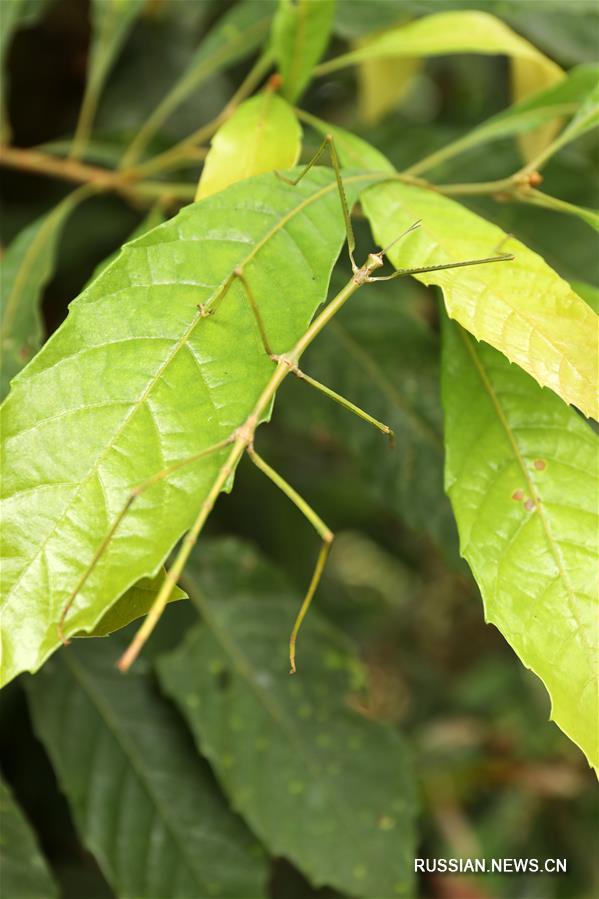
(111, 21)
(136, 380)
(458, 31)
(135, 603)
(25, 873)
(154, 218)
(262, 135)
(356, 18)
(340, 789)
(585, 119)
(383, 84)
(300, 34)
(521, 473)
(27, 266)
(143, 802)
(538, 198)
(137, 600)
(464, 31)
(522, 307)
(558, 100)
(236, 35)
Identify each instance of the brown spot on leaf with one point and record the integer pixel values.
(540, 464)
(518, 495)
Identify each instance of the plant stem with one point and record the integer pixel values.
(172, 100)
(81, 173)
(86, 117)
(504, 185)
(181, 151)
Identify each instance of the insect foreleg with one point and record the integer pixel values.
(321, 529)
(135, 493)
(329, 144)
(188, 543)
(504, 257)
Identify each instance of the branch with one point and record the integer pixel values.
(81, 173)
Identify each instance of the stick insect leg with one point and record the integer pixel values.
(188, 543)
(347, 404)
(135, 493)
(320, 528)
(240, 275)
(329, 144)
(504, 257)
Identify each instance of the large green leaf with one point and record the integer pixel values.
(136, 380)
(521, 473)
(339, 786)
(236, 35)
(137, 600)
(522, 307)
(143, 802)
(300, 34)
(262, 135)
(26, 268)
(25, 874)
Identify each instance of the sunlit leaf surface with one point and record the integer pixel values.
(521, 473)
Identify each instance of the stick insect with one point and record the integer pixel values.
(241, 439)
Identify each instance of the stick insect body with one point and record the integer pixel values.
(241, 440)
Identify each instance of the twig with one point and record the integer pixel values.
(81, 173)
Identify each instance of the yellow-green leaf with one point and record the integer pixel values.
(382, 85)
(261, 136)
(449, 33)
(529, 77)
(300, 34)
(463, 31)
(521, 473)
(522, 308)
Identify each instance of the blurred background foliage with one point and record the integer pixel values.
(494, 777)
